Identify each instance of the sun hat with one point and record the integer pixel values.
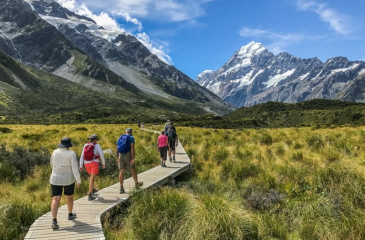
(93, 137)
(65, 143)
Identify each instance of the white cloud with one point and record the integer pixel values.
(164, 10)
(279, 41)
(109, 23)
(338, 22)
(158, 51)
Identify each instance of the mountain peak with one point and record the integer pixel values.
(251, 49)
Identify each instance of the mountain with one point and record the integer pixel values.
(48, 37)
(254, 75)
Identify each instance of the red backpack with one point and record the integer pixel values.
(89, 152)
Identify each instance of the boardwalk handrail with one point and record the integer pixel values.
(90, 214)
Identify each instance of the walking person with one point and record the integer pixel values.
(173, 141)
(91, 154)
(126, 158)
(163, 147)
(64, 175)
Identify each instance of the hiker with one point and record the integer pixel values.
(167, 124)
(139, 124)
(64, 175)
(170, 124)
(163, 147)
(173, 141)
(142, 125)
(91, 153)
(126, 158)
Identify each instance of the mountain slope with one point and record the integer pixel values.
(90, 60)
(254, 75)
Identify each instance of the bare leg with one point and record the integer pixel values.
(70, 203)
(170, 152)
(91, 182)
(134, 175)
(121, 176)
(54, 205)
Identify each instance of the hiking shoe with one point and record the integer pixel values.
(95, 190)
(90, 197)
(164, 165)
(55, 225)
(138, 184)
(173, 158)
(121, 190)
(170, 159)
(72, 216)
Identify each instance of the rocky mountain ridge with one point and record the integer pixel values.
(254, 75)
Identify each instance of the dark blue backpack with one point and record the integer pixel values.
(123, 144)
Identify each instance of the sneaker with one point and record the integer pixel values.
(90, 197)
(173, 158)
(95, 190)
(138, 184)
(55, 225)
(121, 190)
(72, 216)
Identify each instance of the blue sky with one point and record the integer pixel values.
(196, 35)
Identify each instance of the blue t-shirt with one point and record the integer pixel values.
(131, 139)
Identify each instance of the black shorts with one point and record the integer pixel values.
(172, 144)
(163, 152)
(68, 190)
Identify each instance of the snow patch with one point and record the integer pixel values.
(215, 87)
(303, 76)
(346, 69)
(72, 22)
(274, 80)
(361, 72)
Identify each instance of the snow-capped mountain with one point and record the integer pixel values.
(45, 35)
(254, 75)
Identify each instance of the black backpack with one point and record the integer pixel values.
(171, 134)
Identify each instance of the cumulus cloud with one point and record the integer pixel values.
(338, 22)
(109, 23)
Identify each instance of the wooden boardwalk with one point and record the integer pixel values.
(87, 225)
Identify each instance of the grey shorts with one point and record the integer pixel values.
(125, 161)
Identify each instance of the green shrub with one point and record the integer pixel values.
(5, 130)
(7, 173)
(22, 160)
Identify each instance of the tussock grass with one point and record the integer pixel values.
(296, 183)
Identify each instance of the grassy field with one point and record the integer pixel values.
(293, 183)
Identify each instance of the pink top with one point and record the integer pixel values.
(162, 140)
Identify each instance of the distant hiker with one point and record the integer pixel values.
(173, 141)
(170, 124)
(126, 158)
(163, 147)
(167, 124)
(91, 153)
(142, 125)
(64, 175)
(139, 124)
